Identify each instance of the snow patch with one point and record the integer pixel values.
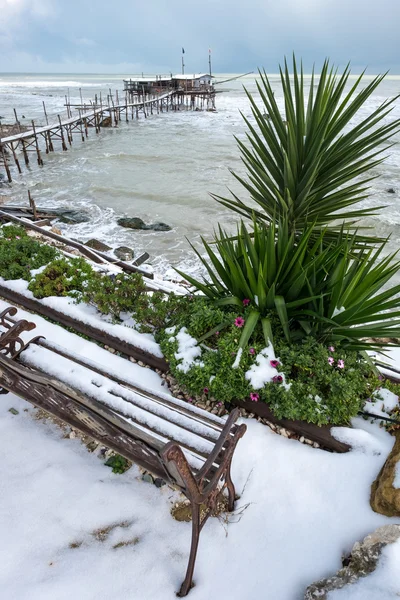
(237, 359)
(262, 372)
(188, 351)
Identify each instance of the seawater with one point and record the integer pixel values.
(162, 168)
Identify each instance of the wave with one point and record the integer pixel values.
(47, 84)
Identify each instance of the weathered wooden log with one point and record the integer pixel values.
(88, 330)
(320, 434)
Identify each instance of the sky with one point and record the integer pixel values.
(131, 36)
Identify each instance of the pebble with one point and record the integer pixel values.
(141, 363)
(72, 435)
(301, 439)
(132, 359)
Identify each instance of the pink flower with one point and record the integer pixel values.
(331, 349)
(206, 390)
(331, 360)
(277, 379)
(340, 364)
(190, 399)
(252, 351)
(246, 302)
(380, 377)
(239, 321)
(254, 397)
(217, 333)
(274, 363)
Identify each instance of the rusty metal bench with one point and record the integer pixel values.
(188, 447)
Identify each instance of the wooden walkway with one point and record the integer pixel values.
(89, 116)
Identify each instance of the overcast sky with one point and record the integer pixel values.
(122, 36)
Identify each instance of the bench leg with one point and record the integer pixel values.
(230, 487)
(187, 583)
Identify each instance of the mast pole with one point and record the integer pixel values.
(209, 60)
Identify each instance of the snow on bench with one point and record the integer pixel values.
(190, 448)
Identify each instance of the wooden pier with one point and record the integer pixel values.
(17, 149)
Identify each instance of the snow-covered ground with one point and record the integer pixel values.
(300, 510)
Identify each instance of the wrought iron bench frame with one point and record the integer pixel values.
(166, 460)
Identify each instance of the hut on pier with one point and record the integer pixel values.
(194, 91)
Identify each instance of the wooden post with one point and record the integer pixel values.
(80, 94)
(126, 106)
(32, 205)
(81, 124)
(39, 158)
(15, 158)
(64, 145)
(96, 126)
(16, 120)
(47, 142)
(45, 113)
(7, 168)
(26, 158)
(51, 147)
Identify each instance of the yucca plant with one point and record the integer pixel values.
(332, 292)
(310, 165)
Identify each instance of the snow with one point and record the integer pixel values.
(89, 315)
(382, 403)
(237, 359)
(165, 421)
(337, 311)
(132, 372)
(262, 372)
(188, 350)
(300, 509)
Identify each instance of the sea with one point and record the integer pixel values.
(163, 168)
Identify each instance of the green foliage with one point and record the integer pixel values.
(310, 165)
(118, 463)
(114, 294)
(12, 232)
(332, 292)
(19, 253)
(62, 277)
(315, 390)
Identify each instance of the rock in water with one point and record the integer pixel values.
(136, 223)
(69, 216)
(391, 191)
(159, 227)
(385, 498)
(132, 223)
(124, 253)
(97, 245)
(363, 560)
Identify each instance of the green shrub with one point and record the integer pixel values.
(332, 292)
(20, 254)
(62, 277)
(114, 294)
(11, 232)
(315, 390)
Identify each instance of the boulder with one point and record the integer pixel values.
(136, 223)
(159, 227)
(385, 497)
(391, 191)
(131, 223)
(124, 253)
(69, 215)
(97, 245)
(362, 562)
